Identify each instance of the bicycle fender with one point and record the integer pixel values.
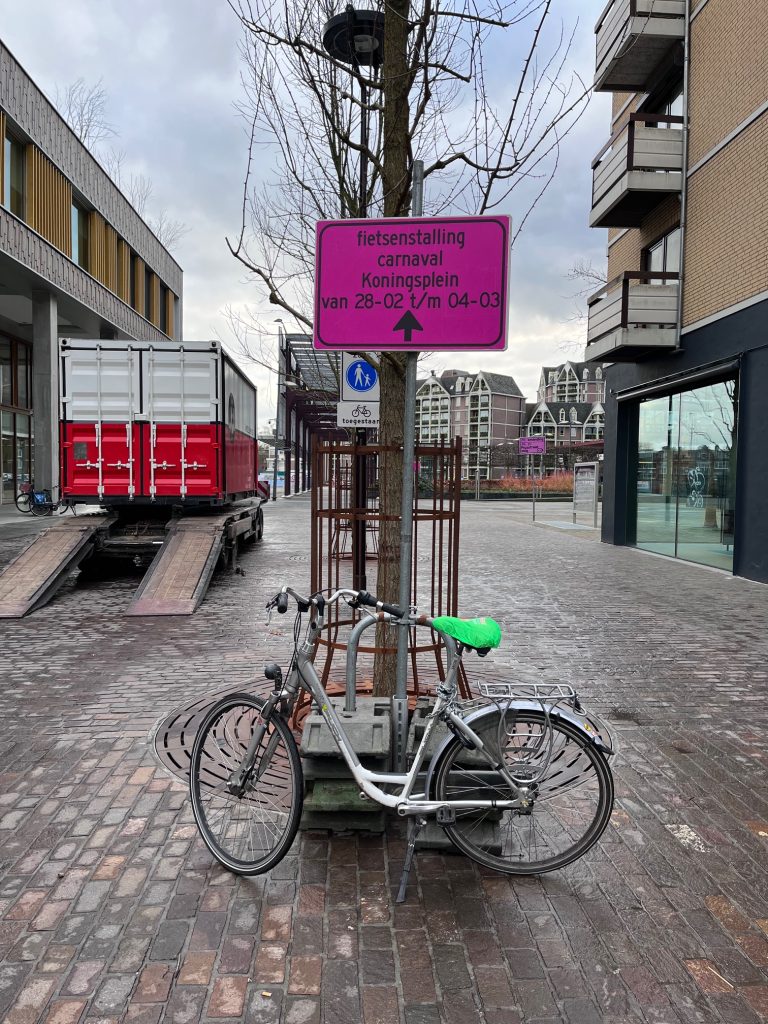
(591, 727)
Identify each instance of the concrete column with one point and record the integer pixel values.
(45, 390)
(288, 443)
(305, 459)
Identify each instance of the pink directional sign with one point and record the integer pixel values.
(412, 284)
(532, 445)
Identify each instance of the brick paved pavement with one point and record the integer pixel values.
(110, 910)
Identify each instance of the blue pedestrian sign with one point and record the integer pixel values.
(359, 379)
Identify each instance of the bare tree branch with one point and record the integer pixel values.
(83, 107)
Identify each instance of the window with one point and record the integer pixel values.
(147, 293)
(663, 257)
(13, 177)
(6, 372)
(79, 235)
(673, 105)
(562, 415)
(163, 309)
(134, 272)
(15, 374)
(599, 373)
(23, 372)
(686, 474)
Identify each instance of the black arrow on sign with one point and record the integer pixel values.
(407, 324)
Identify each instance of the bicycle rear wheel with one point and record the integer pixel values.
(23, 501)
(251, 833)
(572, 803)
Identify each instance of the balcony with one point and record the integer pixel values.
(633, 316)
(633, 37)
(635, 170)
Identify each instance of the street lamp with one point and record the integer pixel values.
(357, 38)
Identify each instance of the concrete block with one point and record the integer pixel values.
(337, 795)
(336, 805)
(416, 731)
(349, 821)
(368, 728)
(336, 768)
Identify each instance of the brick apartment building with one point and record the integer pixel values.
(76, 259)
(484, 409)
(569, 404)
(682, 187)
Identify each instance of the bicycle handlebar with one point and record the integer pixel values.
(357, 597)
(370, 601)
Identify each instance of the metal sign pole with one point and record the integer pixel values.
(400, 701)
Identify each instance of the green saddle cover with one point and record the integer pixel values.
(477, 633)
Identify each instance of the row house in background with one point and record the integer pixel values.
(76, 260)
(681, 185)
(483, 409)
(569, 408)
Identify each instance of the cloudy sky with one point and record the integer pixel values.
(172, 75)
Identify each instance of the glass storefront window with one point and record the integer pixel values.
(23, 395)
(686, 475)
(16, 443)
(6, 373)
(7, 454)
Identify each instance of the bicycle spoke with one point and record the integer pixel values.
(571, 794)
(245, 831)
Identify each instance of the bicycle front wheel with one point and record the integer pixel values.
(251, 833)
(573, 793)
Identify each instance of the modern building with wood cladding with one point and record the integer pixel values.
(76, 260)
(682, 187)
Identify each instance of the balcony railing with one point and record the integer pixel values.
(633, 37)
(635, 170)
(632, 315)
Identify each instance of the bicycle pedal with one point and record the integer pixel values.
(445, 816)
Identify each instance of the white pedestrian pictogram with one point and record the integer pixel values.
(361, 377)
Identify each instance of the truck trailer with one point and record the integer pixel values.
(147, 424)
(163, 438)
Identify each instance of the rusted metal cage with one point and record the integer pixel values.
(346, 522)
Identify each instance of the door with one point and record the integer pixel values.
(100, 438)
(182, 445)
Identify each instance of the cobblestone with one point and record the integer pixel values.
(111, 908)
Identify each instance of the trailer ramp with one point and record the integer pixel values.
(178, 578)
(34, 576)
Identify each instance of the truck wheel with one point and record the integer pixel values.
(259, 525)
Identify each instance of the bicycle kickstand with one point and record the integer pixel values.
(415, 825)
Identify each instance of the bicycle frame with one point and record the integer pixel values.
(405, 802)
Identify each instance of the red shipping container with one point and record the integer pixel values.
(155, 423)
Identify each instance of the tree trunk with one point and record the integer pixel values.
(396, 182)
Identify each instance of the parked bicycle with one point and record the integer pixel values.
(41, 503)
(520, 782)
(24, 498)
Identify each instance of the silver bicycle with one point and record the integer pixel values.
(518, 778)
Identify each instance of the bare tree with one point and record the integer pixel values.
(590, 279)
(83, 107)
(489, 142)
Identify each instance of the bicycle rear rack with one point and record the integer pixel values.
(528, 691)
